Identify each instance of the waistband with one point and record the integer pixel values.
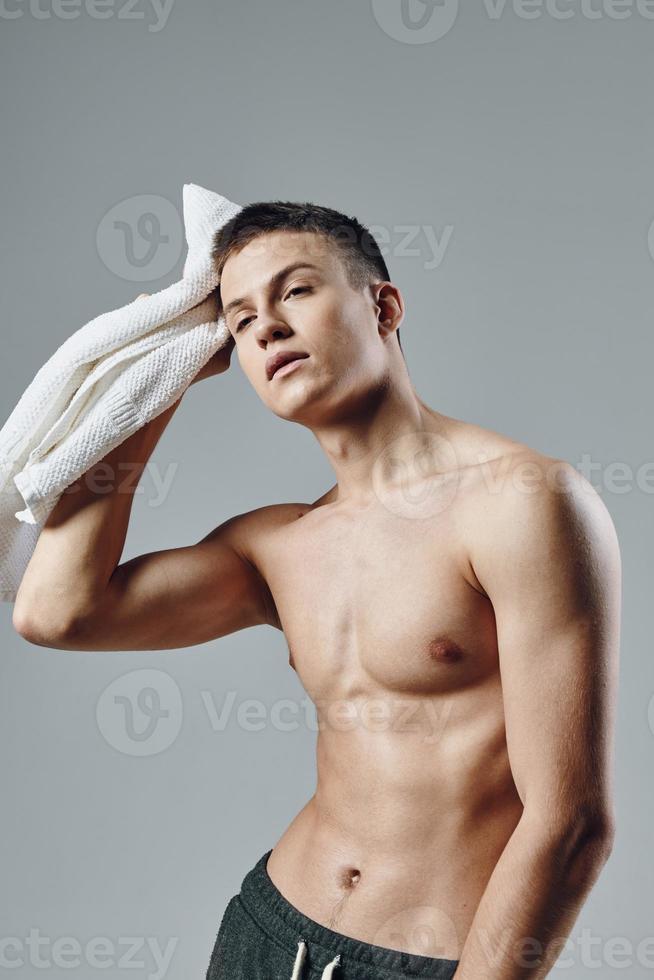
(266, 904)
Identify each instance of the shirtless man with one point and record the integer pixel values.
(451, 606)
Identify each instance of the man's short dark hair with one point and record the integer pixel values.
(354, 244)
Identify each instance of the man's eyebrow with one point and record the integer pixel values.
(273, 281)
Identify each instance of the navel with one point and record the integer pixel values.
(350, 877)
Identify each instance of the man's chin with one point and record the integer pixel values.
(296, 409)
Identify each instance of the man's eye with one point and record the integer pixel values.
(296, 289)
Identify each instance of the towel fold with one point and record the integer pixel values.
(106, 380)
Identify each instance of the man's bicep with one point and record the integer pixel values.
(178, 597)
(549, 562)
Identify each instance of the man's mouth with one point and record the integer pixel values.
(279, 361)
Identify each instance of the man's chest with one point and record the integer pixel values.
(377, 602)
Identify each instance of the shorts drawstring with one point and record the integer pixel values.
(327, 973)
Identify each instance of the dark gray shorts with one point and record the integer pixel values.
(260, 939)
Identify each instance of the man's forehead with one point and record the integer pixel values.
(268, 258)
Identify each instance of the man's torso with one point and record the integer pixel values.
(394, 641)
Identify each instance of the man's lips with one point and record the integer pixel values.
(280, 359)
(288, 367)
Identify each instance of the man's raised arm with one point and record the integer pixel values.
(75, 596)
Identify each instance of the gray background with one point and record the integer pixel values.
(530, 138)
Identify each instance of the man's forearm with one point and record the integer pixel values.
(530, 904)
(83, 538)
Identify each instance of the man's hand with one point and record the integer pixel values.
(217, 363)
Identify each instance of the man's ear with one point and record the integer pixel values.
(389, 306)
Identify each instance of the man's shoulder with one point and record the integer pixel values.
(251, 528)
(479, 446)
(527, 505)
(515, 496)
(497, 466)
(508, 481)
(507, 474)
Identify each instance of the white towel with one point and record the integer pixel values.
(104, 382)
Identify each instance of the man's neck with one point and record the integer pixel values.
(370, 451)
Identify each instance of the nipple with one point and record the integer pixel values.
(444, 650)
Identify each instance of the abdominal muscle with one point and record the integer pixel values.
(412, 810)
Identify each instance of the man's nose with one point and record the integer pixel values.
(269, 326)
